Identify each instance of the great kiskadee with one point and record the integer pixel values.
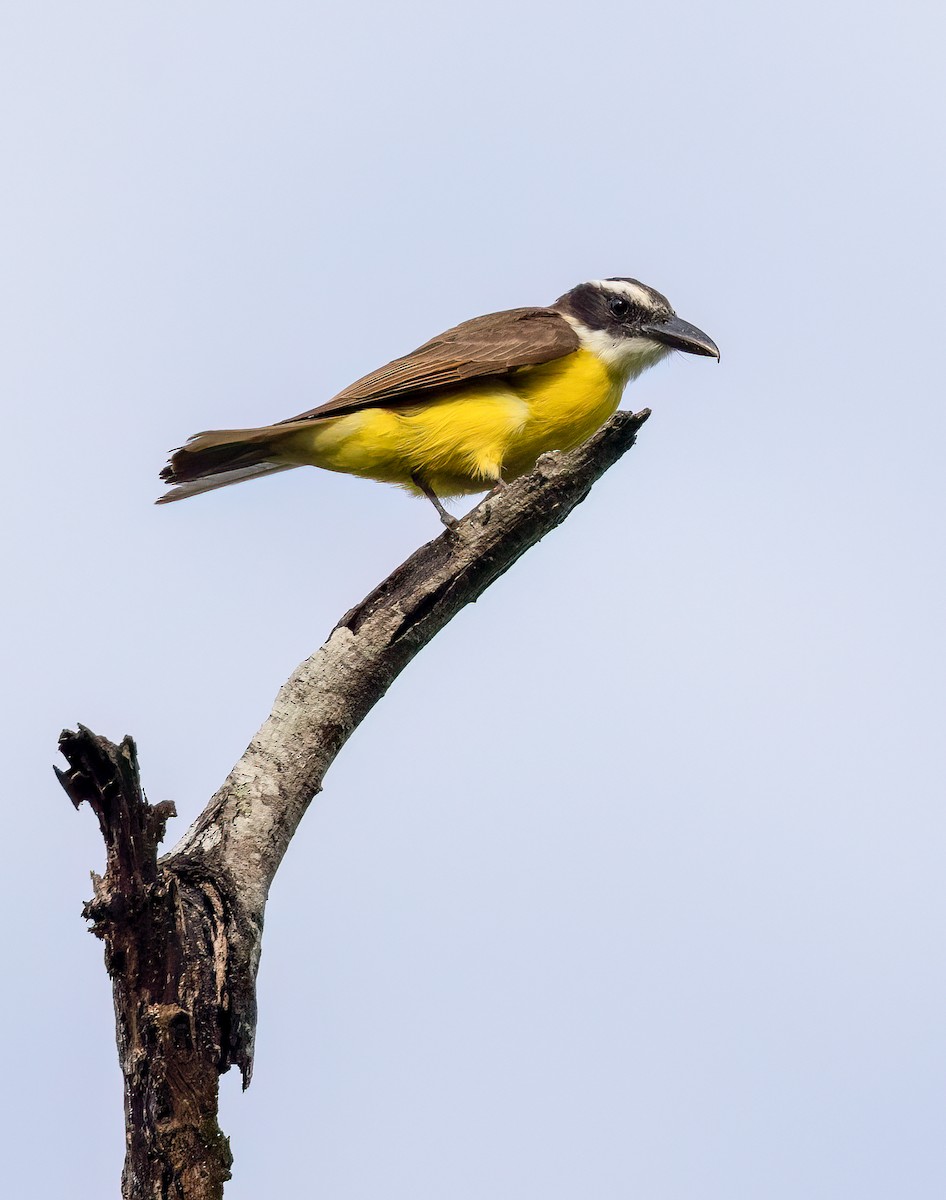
(470, 409)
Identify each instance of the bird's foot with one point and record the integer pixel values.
(448, 519)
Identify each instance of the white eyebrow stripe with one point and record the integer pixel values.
(633, 291)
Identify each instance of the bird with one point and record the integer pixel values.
(471, 409)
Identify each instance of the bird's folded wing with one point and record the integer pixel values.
(490, 345)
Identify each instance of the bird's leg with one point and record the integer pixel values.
(448, 520)
(498, 486)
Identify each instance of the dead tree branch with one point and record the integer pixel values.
(183, 934)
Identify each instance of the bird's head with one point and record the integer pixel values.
(628, 325)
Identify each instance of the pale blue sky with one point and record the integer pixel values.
(633, 885)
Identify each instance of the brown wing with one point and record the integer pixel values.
(490, 345)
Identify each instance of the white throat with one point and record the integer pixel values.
(625, 357)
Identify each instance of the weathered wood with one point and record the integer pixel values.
(183, 933)
(166, 952)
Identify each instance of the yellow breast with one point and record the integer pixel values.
(568, 399)
(467, 439)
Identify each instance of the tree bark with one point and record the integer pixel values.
(183, 933)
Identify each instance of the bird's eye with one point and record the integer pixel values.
(619, 307)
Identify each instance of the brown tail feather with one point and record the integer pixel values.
(223, 479)
(219, 451)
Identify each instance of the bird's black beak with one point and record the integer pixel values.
(681, 335)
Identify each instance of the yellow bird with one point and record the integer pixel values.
(469, 410)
